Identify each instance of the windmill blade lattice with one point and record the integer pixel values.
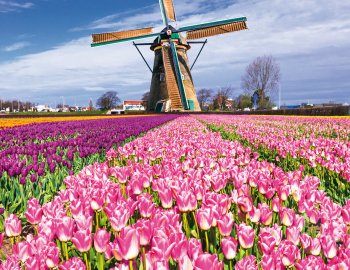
(112, 37)
(216, 30)
(169, 9)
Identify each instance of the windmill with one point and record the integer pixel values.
(172, 86)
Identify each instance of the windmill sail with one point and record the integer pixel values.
(214, 28)
(169, 9)
(114, 37)
(170, 79)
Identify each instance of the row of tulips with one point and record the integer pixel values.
(302, 142)
(9, 121)
(182, 197)
(34, 159)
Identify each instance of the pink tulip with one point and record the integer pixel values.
(293, 234)
(254, 215)
(13, 226)
(245, 235)
(229, 247)
(315, 247)
(34, 211)
(329, 246)
(194, 248)
(312, 263)
(265, 214)
(82, 240)
(146, 207)
(305, 240)
(145, 230)
(186, 201)
(98, 198)
(73, 264)
(268, 262)
(266, 242)
(23, 251)
(166, 199)
(64, 230)
(33, 263)
(101, 240)
(128, 243)
(245, 203)
(287, 216)
(204, 217)
(206, 261)
(52, 255)
(248, 262)
(225, 224)
(185, 263)
(276, 204)
(289, 253)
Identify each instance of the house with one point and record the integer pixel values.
(133, 105)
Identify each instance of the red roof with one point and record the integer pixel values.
(133, 102)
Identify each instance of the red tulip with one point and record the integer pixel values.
(101, 240)
(229, 247)
(245, 235)
(82, 240)
(13, 226)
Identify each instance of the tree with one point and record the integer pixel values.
(244, 101)
(91, 105)
(261, 76)
(108, 100)
(203, 96)
(221, 100)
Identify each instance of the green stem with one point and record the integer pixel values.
(87, 263)
(131, 267)
(143, 252)
(101, 261)
(230, 265)
(65, 250)
(206, 240)
(195, 221)
(97, 221)
(184, 215)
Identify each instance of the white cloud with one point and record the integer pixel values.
(8, 6)
(308, 38)
(16, 46)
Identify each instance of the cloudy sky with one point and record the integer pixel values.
(45, 53)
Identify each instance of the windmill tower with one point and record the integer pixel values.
(172, 87)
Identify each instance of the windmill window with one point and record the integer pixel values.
(162, 77)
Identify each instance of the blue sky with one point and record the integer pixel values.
(45, 52)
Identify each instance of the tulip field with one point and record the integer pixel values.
(176, 192)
